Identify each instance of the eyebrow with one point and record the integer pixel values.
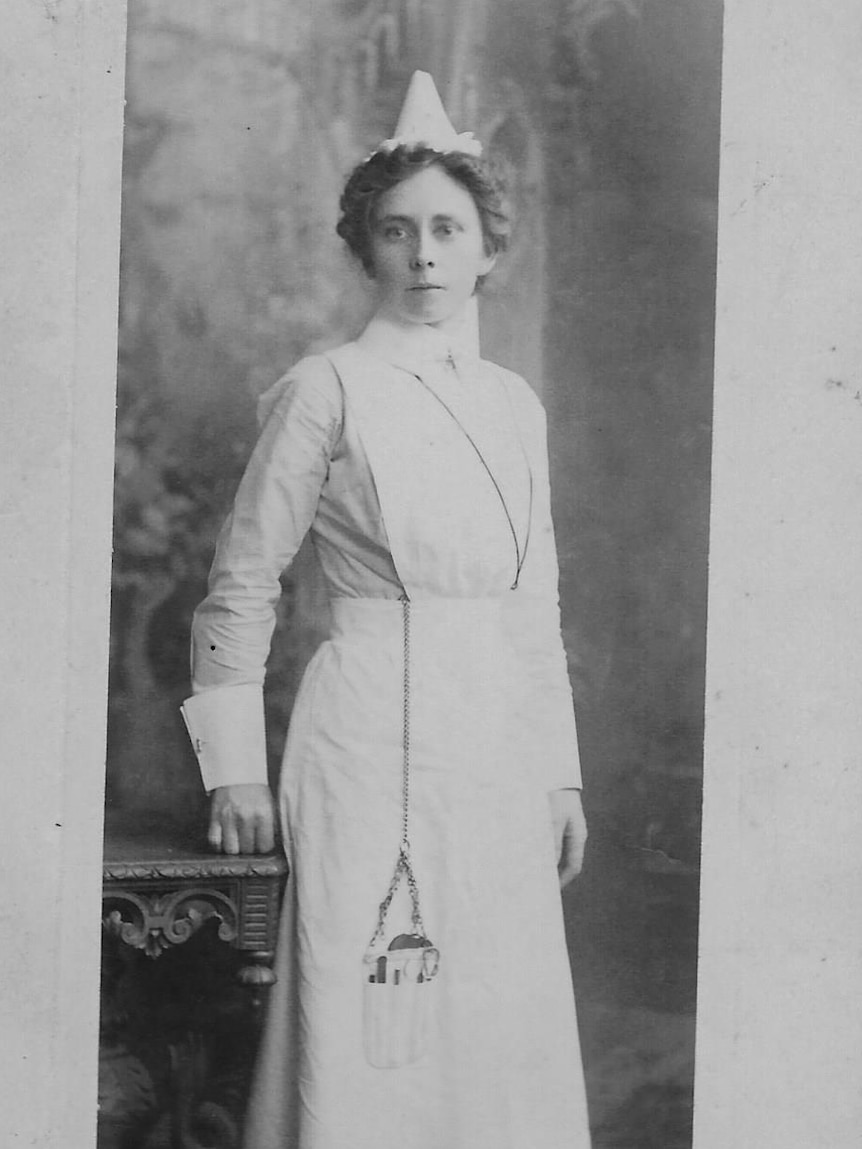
(442, 217)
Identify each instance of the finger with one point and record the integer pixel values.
(265, 842)
(230, 837)
(246, 835)
(214, 834)
(559, 846)
(569, 868)
(572, 858)
(559, 829)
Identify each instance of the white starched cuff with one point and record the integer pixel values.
(226, 727)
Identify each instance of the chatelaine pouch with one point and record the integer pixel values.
(398, 996)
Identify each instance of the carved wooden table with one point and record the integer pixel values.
(157, 894)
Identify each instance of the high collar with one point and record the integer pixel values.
(413, 346)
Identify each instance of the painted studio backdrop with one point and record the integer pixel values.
(242, 121)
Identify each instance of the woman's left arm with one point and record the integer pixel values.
(534, 628)
(533, 616)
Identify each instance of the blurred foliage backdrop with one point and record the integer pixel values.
(242, 122)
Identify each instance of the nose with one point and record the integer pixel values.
(423, 253)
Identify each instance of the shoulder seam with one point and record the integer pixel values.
(314, 380)
(519, 387)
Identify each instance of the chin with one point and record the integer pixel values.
(433, 311)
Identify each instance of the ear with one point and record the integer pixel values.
(487, 264)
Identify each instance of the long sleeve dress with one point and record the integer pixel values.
(420, 471)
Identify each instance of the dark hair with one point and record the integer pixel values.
(483, 179)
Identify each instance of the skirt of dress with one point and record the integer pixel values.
(502, 1068)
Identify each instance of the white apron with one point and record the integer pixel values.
(502, 1070)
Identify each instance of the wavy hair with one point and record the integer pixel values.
(484, 179)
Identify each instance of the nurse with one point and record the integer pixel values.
(440, 700)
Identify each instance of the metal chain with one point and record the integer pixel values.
(520, 554)
(403, 865)
(405, 731)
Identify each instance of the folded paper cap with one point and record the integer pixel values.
(423, 120)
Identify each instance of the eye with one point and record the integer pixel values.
(446, 228)
(394, 232)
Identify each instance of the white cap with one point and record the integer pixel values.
(423, 120)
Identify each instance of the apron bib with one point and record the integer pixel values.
(444, 491)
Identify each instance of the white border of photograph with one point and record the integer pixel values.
(779, 1029)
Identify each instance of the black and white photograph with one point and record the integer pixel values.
(413, 417)
(428, 541)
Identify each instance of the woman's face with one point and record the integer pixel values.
(427, 248)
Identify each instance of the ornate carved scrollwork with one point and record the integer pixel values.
(155, 922)
(184, 869)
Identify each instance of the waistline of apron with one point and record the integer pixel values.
(454, 621)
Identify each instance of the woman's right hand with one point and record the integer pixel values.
(242, 819)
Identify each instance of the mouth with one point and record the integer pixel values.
(425, 287)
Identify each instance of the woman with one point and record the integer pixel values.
(420, 471)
